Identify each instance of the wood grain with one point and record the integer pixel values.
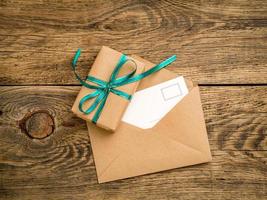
(217, 42)
(61, 166)
(45, 151)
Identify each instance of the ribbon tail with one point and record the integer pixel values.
(152, 70)
(75, 59)
(74, 62)
(99, 109)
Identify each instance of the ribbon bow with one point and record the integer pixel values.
(103, 88)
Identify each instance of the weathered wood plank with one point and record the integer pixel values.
(61, 166)
(216, 42)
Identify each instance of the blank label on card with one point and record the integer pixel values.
(150, 105)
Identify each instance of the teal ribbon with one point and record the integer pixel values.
(103, 88)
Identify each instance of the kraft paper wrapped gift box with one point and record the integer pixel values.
(178, 140)
(113, 110)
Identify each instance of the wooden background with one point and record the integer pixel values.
(45, 151)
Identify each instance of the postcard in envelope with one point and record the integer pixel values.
(163, 128)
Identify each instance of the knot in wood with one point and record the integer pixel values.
(38, 125)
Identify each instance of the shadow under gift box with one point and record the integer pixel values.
(115, 105)
(178, 140)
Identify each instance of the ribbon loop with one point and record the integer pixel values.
(103, 88)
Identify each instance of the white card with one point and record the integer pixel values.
(150, 105)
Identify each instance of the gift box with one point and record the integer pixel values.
(104, 96)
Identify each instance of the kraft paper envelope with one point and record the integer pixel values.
(178, 140)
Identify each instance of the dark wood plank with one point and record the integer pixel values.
(61, 166)
(218, 42)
